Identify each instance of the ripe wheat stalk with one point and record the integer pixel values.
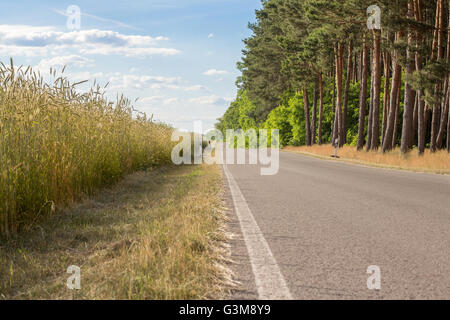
(57, 144)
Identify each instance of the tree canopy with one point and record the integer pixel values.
(316, 70)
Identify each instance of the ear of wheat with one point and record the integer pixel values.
(57, 144)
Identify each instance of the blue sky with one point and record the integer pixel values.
(178, 57)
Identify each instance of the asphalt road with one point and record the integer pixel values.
(326, 222)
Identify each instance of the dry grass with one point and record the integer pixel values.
(57, 144)
(438, 162)
(155, 235)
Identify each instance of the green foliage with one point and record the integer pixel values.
(353, 113)
(289, 116)
(240, 115)
(278, 118)
(294, 42)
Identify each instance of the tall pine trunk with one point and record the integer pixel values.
(376, 90)
(347, 88)
(387, 77)
(360, 65)
(335, 127)
(314, 114)
(421, 125)
(395, 89)
(339, 75)
(307, 123)
(363, 96)
(415, 117)
(409, 93)
(444, 118)
(439, 33)
(445, 112)
(397, 115)
(448, 129)
(320, 109)
(370, 120)
(434, 127)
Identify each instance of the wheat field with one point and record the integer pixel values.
(58, 144)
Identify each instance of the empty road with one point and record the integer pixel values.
(312, 231)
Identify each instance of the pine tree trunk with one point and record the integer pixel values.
(369, 121)
(307, 123)
(448, 97)
(421, 125)
(409, 94)
(448, 129)
(435, 33)
(369, 124)
(444, 119)
(334, 130)
(415, 117)
(440, 42)
(314, 115)
(434, 127)
(445, 112)
(363, 96)
(361, 67)
(376, 91)
(347, 88)
(439, 33)
(339, 73)
(427, 124)
(387, 76)
(397, 115)
(320, 109)
(395, 89)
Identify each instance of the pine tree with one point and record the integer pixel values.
(317, 49)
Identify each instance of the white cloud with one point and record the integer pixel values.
(131, 81)
(127, 51)
(211, 35)
(37, 40)
(211, 100)
(24, 51)
(150, 100)
(158, 100)
(170, 101)
(71, 60)
(142, 82)
(86, 75)
(214, 72)
(197, 87)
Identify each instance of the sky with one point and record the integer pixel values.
(177, 57)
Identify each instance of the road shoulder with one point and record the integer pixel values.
(155, 235)
(244, 287)
(365, 163)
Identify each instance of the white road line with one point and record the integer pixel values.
(269, 280)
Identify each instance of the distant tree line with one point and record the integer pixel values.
(314, 70)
